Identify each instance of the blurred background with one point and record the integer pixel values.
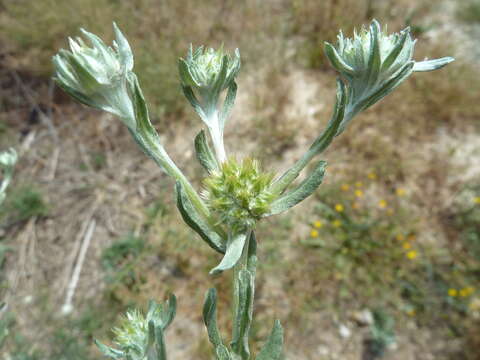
(383, 261)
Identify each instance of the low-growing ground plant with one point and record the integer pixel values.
(237, 193)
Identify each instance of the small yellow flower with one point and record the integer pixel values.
(337, 223)
(407, 246)
(470, 290)
(355, 205)
(345, 187)
(411, 312)
(463, 293)
(452, 292)
(339, 207)
(372, 176)
(477, 200)
(358, 184)
(400, 237)
(314, 233)
(400, 192)
(317, 224)
(412, 254)
(358, 193)
(382, 204)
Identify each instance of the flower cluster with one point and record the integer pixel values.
(239, 193)
(98, 76)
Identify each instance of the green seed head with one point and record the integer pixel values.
(239, 193)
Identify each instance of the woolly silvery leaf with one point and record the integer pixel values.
(97, 75)
(373, 63)
(197, 222)
(235, 245)
(205, 155)
(210, 317)
(244, 284)
(301, 192)
(272, 350)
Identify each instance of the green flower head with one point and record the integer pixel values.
(206, 69)
(239, 193)
(373, 63)
(98, 75)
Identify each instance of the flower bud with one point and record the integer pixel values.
(98, 76)
(209, 69)
(373, 63)
(238, 193)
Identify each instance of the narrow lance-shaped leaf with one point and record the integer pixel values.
(235, 245)
(193, 219)
(169, 313)
(243, 315)
(185, 74)
(188, 92)
(336, 60)
(160, 344)
(374, 61)
(430, 65)
(397, 49)
(222, 353)
(108, 351)
(210, 317)
(228, 104)
(272, 350)
(204, 153)
(306, 188)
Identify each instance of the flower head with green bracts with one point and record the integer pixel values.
(373, 63)
(205, 69)
(141, 336)
(98, 75)
(239, 193)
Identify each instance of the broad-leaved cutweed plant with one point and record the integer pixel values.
(236, 193)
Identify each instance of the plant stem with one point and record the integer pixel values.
(243, 296)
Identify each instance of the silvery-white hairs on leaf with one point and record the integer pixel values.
(236, 194)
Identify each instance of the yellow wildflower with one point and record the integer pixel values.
(339, 207)
(345, 187)
(412, 254)
(463, 293)
(317, 224)
(337, 223)
(400, 192)
(382, 204)
(407, 246)
(314, 233)
(372, 176)
(477, 200)
(358, 193)
(452, 292)
(470, 290)
(400, 237)
(411, 312)
(467, 291)
(358, 184)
